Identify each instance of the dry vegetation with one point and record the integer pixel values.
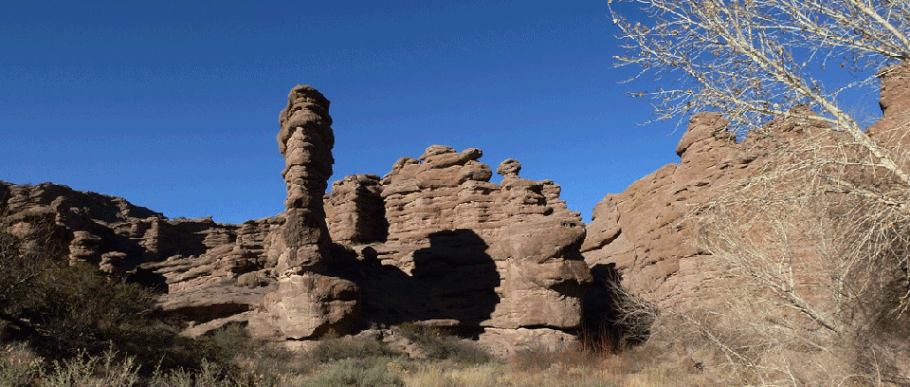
(116, 337)
(20, 367)
(813, 250)
(814, 255)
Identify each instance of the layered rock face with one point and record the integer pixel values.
(268, 273)
(638, 229)
(500, 261)
(355, 212)
(308, 303)
(890, 131)
(433, 242)
(640, 232)
(196, 265)
(645, 235)
(306, 140)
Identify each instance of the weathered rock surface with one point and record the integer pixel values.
(194, 264)
(642, 236)
(355, 212)
(464, 252)
(641, 230)
(306, 140)
(890, 132)
(307, 303)
(309, 306)
(434, 242)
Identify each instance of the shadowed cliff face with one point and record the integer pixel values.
(452, 285)
(355, 211)
(501, 260)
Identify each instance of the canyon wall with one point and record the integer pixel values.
(434, 242)
(645, 236)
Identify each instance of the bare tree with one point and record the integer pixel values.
(752, 59)
(819, 237)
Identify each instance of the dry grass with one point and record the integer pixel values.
(643, 367)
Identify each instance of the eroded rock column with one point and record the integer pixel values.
(306, 140)
(309, 302)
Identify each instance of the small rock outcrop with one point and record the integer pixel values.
(355, 212)
(890, 132)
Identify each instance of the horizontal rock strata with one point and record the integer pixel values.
(466, 253)
(434, 242)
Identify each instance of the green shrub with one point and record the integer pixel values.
(18, 365)
(355, 373)
(437, 345)
(232, 339)
(65, 311)
(224, 344)
(81, 309)
(87, 371)
(338, 348)
(62, 308)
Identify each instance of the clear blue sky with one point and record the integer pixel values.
(174, 105)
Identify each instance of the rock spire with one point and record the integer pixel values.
(305, 140)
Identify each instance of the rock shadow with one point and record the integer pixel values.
(452, 285)
(614, 319)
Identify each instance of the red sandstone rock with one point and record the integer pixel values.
(489, 257)
(436, 243)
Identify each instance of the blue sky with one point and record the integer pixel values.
(174, 105)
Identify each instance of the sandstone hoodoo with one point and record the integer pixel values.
(306, 140)
(308, 303)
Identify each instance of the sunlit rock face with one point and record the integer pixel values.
(497, 261)
(305, 140)
(434, 242)
(639, 229)
(308, 302)
(646, 235)
(891, 131)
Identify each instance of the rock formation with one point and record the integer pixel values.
(890, 131)
(644, 237)
(433, 242)
(638, 235)
(641, 230)
(355, 212)
(306, 140)
(500, 261)
(308, 303)
(268, 273)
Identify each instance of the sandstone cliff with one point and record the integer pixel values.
(646, 234)
(500, 261)
(433, 242)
